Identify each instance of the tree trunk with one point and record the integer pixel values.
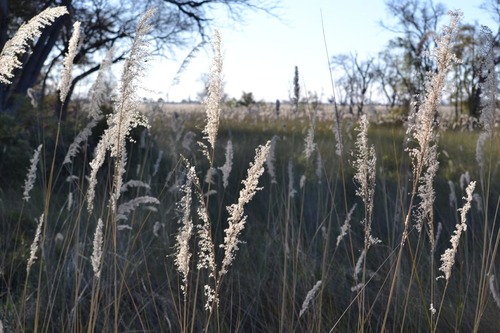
(30, 71)
(32, 68)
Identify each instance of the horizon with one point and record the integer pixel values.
(260, 55)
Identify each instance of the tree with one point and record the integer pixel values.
(493, 8)
(489, 39)
(389, 78)
(356, 80)
(105, 24)
(416, 24)
(467, 73)
(296, 89)
(247, 99)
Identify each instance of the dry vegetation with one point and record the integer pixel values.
(190, 218)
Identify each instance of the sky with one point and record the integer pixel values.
(260, 55)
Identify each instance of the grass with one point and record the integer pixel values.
(254, 289)
(317, 212)
(148, 279)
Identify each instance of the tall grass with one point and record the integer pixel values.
(292, 222)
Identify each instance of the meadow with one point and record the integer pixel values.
(133, 217)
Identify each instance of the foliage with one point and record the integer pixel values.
(397, 76)
(246, 99)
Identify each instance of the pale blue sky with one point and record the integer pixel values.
(261, 54)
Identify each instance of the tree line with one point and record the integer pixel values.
(397, 74)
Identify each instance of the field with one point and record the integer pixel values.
(208, 217)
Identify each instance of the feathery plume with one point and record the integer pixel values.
(236, 219)
(17, 45)
(226, 168)
(209, 193)
(479, 202)
(337, 131)
(119, 168)
(125, 208)
(98, 89)
(97, 249)
(346, 226)
(464, 180)
(309, 298)
(494, 291)
(65, 81)
(96, 98)
(35, 244)
(212, 102)
(271, 158)
(151, 208)
(309, 144)
(126, 115)
(422, 129)
(427, 194)
(74, 147)
(72, 178)
(185, 63)
(70, 201)
(31, 177)
(209, 176)
(187, 140)
(122, 227)
(95, 165)
(157, 163)
(302, 181)
(448, 257)
(206, 250)
(156, 229)
(212, 298)
(291, 183)
(135, 184)
(359, 264)
(182, 253)
(421, 126)
(438, 235)
(357, 287)
(489, 94)
(365, 165)
(319, 167)
(34, 96)
(452, 198)
(432, 309)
